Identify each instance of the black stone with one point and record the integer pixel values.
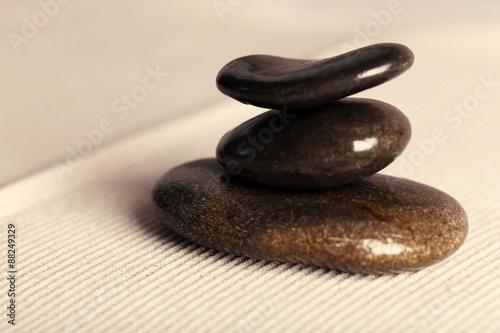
(379, 225)
(321, 147)
(279, 83)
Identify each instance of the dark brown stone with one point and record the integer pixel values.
(381, 224)
(278, 83)
(322, 147)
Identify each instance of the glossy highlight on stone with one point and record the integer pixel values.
(328, 146)
(279, 83)
(381, 224)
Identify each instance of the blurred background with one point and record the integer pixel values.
(66, 65)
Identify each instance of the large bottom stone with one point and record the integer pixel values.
(381, 224)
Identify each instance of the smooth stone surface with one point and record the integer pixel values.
(378, 225)
(279, 83)
(322, 147)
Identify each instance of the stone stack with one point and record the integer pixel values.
(298, 184)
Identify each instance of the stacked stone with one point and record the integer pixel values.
(298, 183)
